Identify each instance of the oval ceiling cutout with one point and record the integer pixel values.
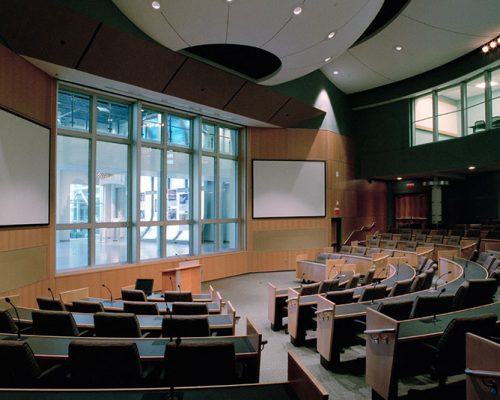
(249, 61)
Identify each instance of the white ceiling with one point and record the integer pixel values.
(432, 33)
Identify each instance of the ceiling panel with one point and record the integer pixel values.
(120, 56)
(45, 30)
(294, 112)
(256, 101)
(204, 84)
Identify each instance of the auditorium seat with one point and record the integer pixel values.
(429, 276)
(410, 246)
(417, 282)
(109, 324)
(433, 304)
(352, 283)
(358, 251)
(453, 240)
(133, 295)
(7, 324)
(386, 236)
(312, 288)
(372, 250)
(104, 364)
(200, 364)
(185, 326)
(190, 308)
(144, 284)
(400, 287)
(398, 310)
(373, 242)
(391, 245)
(341, 296)
(345, 249)
(329, 285)
(48, 303)
(437, 239)
(368, 278)
(83, 306)
(171, 296)
(373, 293)
(474, 293)
(54, 323)
(140, 307)
(404, 237)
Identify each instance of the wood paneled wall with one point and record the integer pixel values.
(30, 92)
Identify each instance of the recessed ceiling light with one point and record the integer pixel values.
(485, 49)
(327, 59)
(331, 34)
(399, 178)
(335, 72)
(471, 168)
(498, 40)
(398, 47)
(297, 10)
(155, 5)
(229, 1)
(493, 44)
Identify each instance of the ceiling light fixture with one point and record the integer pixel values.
(485, 49)
(331, 34)
(398, 47)
(471, 168)
(327, 59)
(335, 72)
(156, 5)
(297, 10)
(491, 45)
(399, 178)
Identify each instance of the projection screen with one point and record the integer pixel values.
(288, 188)
(24, 171)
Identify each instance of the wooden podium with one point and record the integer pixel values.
(187, 276)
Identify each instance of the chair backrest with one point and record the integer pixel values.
(108, 324)
(7, 324)
(312, 288)
(329, 285)
(47, 303)
(171, 296)
(144, 284)
(405, 236)
(418, 282)
(493, 267)
(104, 364)
(353, 282)
(140, 307)
(372, 250)
(54, 323)
(473, 233)
(401, 287)
(453, 240)
(410, 246)
(19, 367)
(391, 245)
(84, 306)
(475, 292)
(488, 261)
(358, 250)
(421, 237)
(482, 256)
(451, 346)
(431, 305)
(369, 276)
(133, 295)
(374, 242)
(345, 249)
(386, 236)
(373, 293)
(189, 308)
(398, 310)
(185, 326)
(341, 296)
(429, 276)
(200, 364)
(437, 239)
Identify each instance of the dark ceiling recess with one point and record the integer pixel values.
(249, 61)
(387, 13)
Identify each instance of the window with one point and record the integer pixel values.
(449, 113)
(495, 98)
(105, 217)
(423, 122)
(476, 110)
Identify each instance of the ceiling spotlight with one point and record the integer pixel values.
(229, 1)
(155, 5)
(485, 49)
(297, 10)
(327, 59)
(332, 34)
(398, 47)
(498, 40)
(399, 178)
(335, 72)
(493, 44)
(471, 168)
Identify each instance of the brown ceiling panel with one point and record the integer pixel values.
(294, 112)
(45, 30)
(204, 84)
(120, 56)
(256, 101)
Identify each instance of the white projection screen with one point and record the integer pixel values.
(24, 171)
(288, 189)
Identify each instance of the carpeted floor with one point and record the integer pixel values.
(248, 293)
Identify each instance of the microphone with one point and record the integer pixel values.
(434, 318)
(51, 293)
(439, 277)
(109, 291)
(171, 283)
(302, 278)
(179, 287)
(7, 299)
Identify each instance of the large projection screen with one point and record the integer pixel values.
(24, 171)
(288, 189)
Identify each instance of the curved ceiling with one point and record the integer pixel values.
(300, 41)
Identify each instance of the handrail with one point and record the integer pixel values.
(482, 373)
(364, 228)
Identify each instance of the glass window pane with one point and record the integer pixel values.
(112, 118)
(72, 180)
(495, 98)
(207, 188)
(150, 184)
(422, 133)
(449, 113)
(72, 249)
(111, 245)
(228, 193)
(150, 242)
(152, 125)
(178, 239)
(228, 140)
(423, 108)
(179, 130)
(73, 111)
(228, 236)
(423, 125)
(111, 190)
(178, 186)
(208, 239)
(208, 137)
(476, 110)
